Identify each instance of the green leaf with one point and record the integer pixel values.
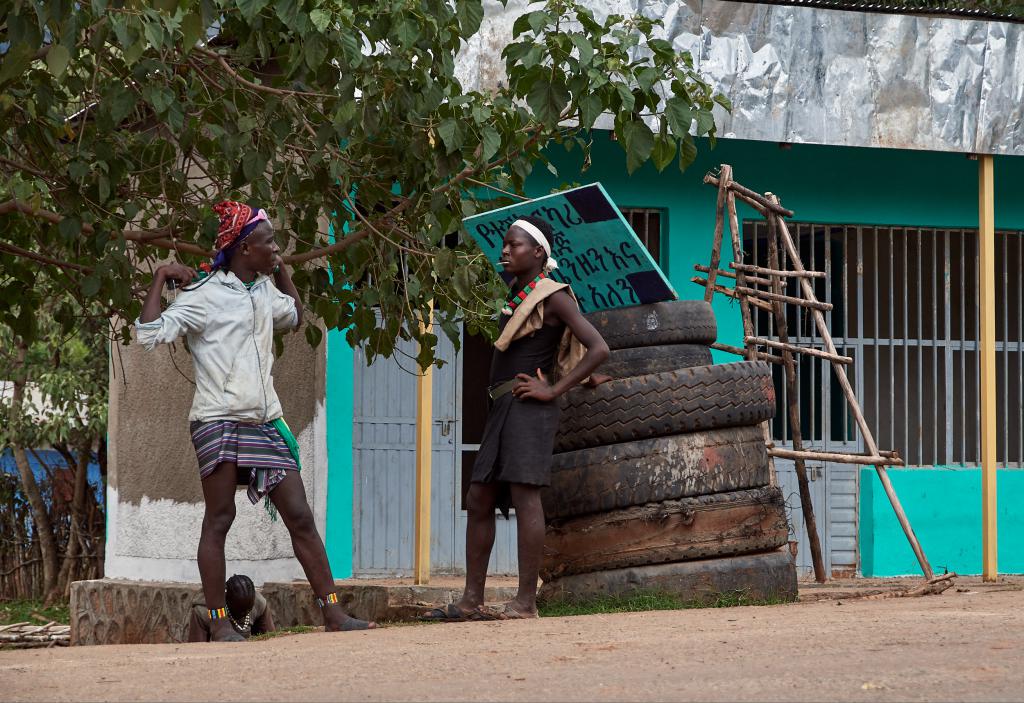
(57, 59)
(320, 19)
(90, 285)
(448, 130)
(444, 264)
(490, 141)
(583, 46)
(547, 99)
(664, 151)
(15, 62)
(538, 20)
(687, 152)
(314, 335)
(253, 165)
(679, 116)
(251, 8)
(590, 109)
(70, 228)
(461, 283)
(120, 102)
(663, 49)
(647, 77)
(705, 122)
(158, 96)
(192, 30)
(470, 14)
(134, 52)
(723, 101)
(626, 96)
(638, 143)
(407, 32)
(315, 51)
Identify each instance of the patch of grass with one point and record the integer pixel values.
(296, 630)
(642, 601)
(12, 611)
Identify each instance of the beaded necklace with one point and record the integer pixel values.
(246, 621)
(512, 300)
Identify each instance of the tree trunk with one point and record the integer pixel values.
(40, 516)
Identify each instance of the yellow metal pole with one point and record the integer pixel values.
(424, 442)
(987, 310)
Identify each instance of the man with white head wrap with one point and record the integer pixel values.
(543, 335)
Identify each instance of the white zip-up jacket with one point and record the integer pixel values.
(230, 332)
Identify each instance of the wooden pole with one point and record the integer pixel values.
(729, 349)
(798, 349)
(987, 313)
(748, 320)
(716, 246)
(424, 448)
(851, 399)
(747, 268)
(814, 455)
(782, 332)
(792, 300)
(730, 293)
(754, 200)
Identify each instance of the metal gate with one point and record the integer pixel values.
(384, 464)
(905, 309)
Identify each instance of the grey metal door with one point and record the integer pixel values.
(825, 420)
(384, 464)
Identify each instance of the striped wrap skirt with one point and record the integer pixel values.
(259, 452)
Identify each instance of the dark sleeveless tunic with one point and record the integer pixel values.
(527, 354)
(519, 436)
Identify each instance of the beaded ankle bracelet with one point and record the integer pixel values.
(218, 613)
(330, 599)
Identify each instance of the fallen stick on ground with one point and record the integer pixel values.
(931, 587)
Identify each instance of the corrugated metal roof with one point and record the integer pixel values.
(998, 11)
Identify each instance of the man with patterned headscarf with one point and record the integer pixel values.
(240, 436)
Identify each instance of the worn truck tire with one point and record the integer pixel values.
(662, 357)
(652, 470)
(770, 576)
(670, 322)
(666, 403)
(724, 524)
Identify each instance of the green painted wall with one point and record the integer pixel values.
(849, 186)
(340, 476)
(944, 508)
(820, 183)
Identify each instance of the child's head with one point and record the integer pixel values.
(239, 594)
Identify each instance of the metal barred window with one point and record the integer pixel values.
(906, 309)
(646, 222)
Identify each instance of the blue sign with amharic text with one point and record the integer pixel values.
(598, 253)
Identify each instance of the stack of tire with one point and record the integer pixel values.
(661, 479)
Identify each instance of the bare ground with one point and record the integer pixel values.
(965, 644)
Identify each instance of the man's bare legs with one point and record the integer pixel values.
(481, 499)
(289, 497)
(480, 526)
(530, 541)
(219, 497)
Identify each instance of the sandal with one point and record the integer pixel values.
(449, 613)
(350, 623)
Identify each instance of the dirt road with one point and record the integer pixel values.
(956, 646)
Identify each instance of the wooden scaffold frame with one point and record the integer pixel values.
(762, 288)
